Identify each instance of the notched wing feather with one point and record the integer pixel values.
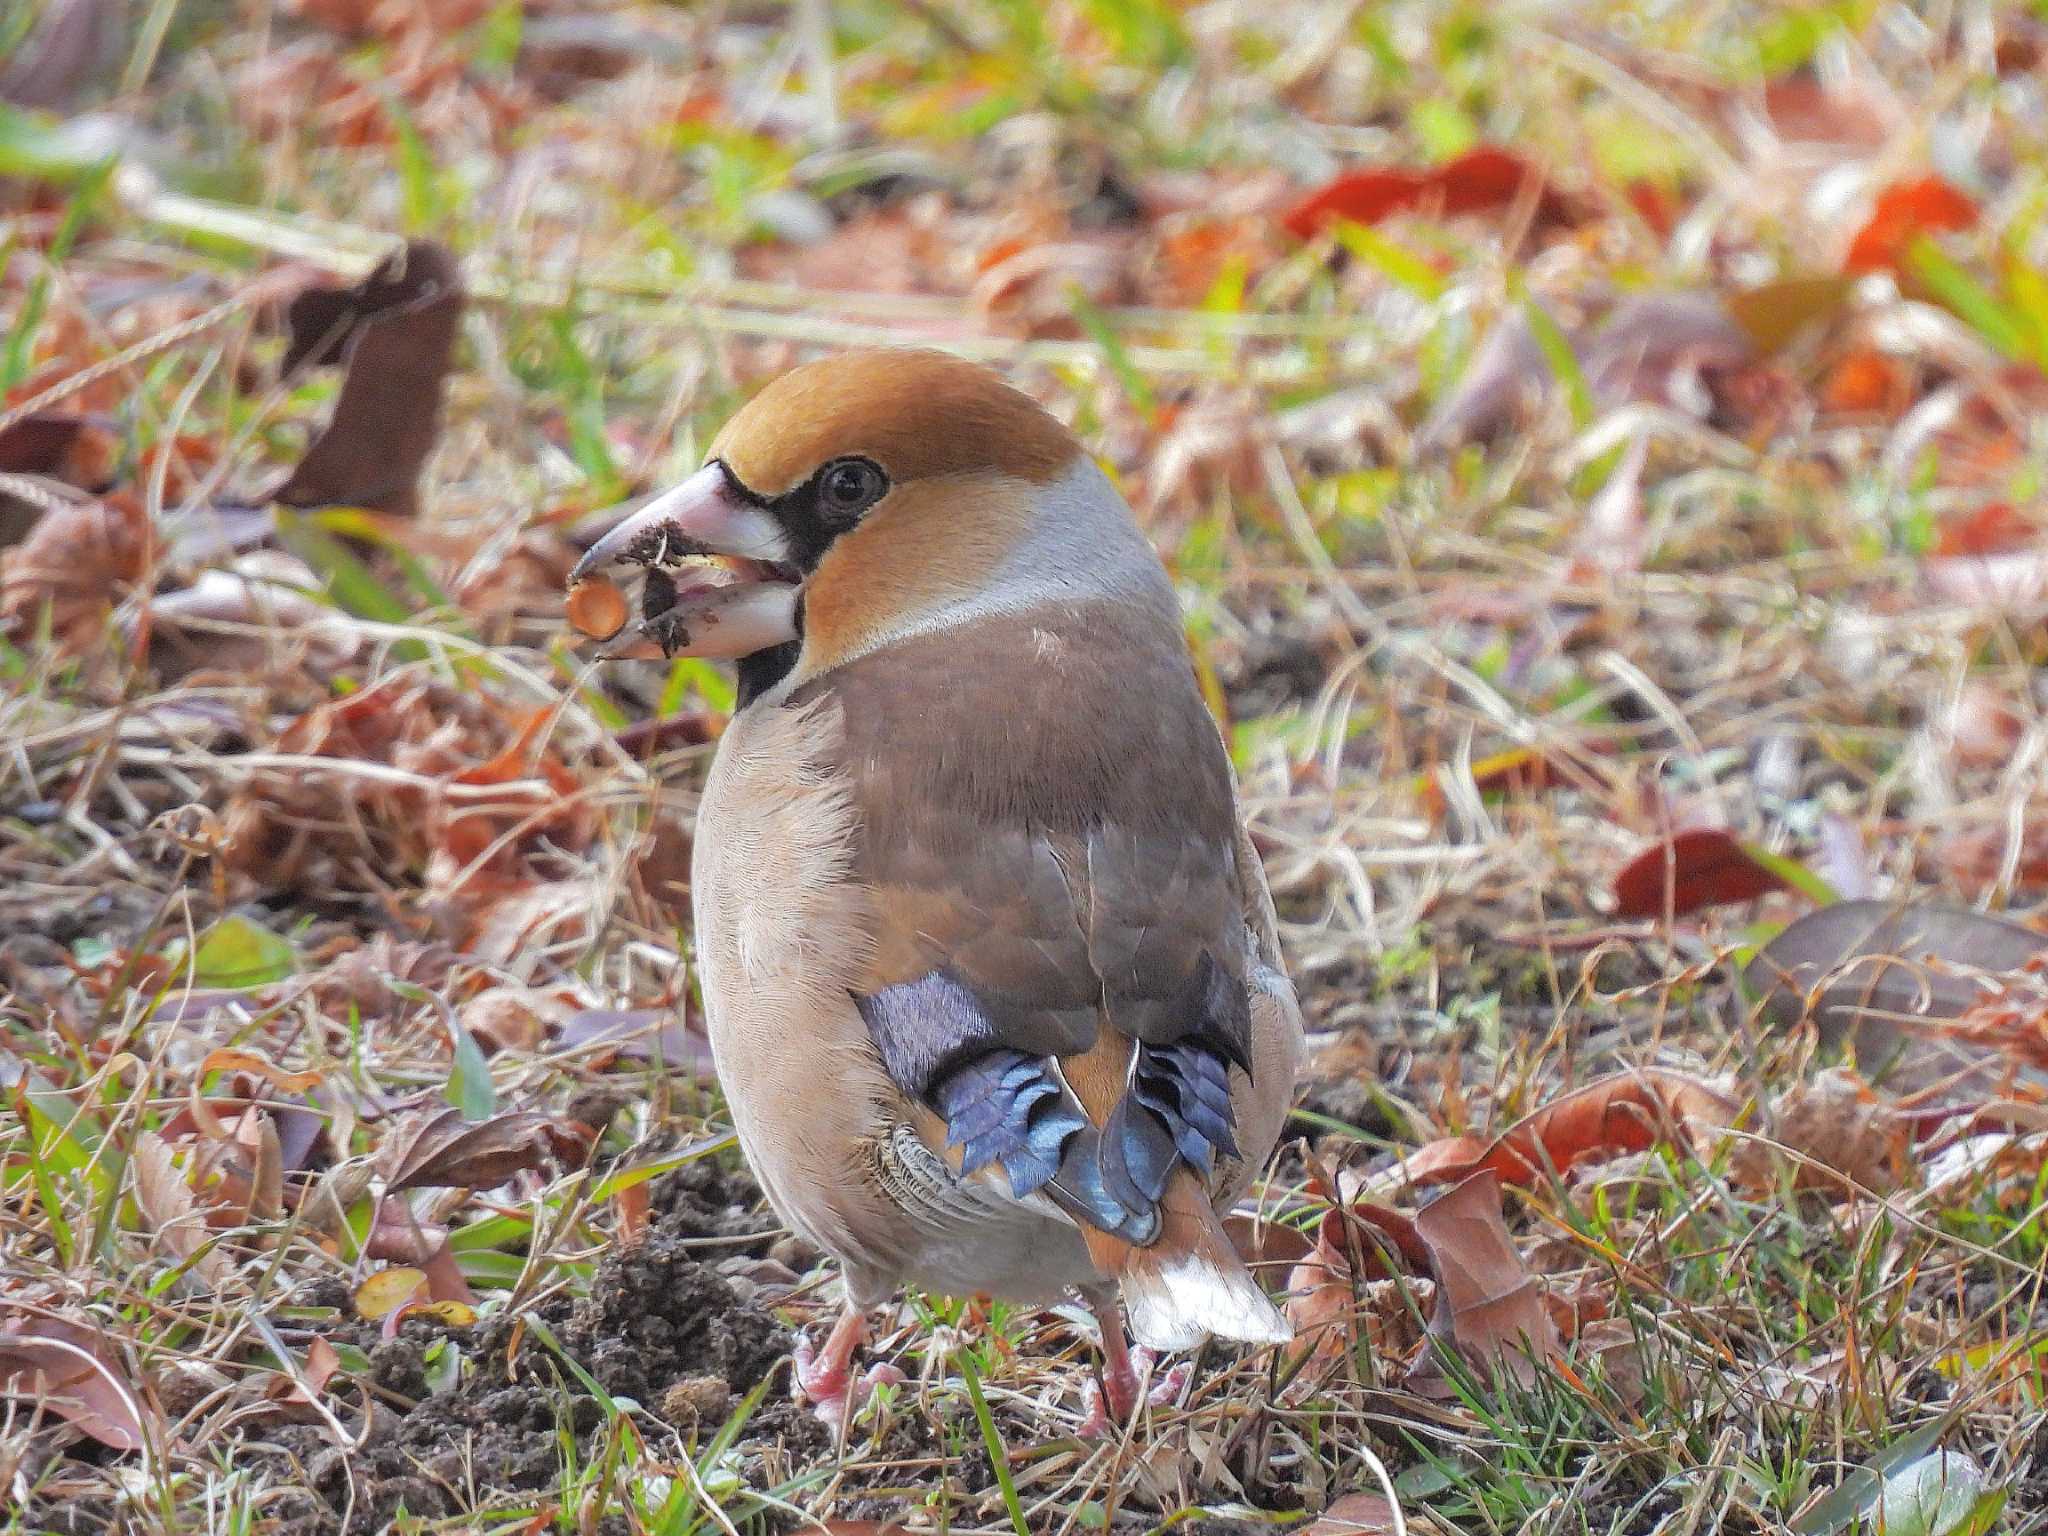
(1080, 871)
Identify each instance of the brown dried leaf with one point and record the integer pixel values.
(67, 1367)
(77, 561)
(1357, 1514)
(1868, 972)
(1488, 1303)
(509, 1018)
(1627, 1112)
(395, 330)
(440, 1148)
(1843, 1136)
(172, 1210)
(231, 1059)
(246, 617)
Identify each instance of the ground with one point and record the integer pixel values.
(1598, 451)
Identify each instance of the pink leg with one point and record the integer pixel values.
(1119, 1392)
(824, 1377)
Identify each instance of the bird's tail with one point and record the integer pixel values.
(1190, 1283)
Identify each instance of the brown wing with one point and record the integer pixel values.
(1045, 862)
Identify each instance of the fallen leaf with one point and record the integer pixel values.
(1704, 867)
(1840, 1136)
(1628, 1112)
(1996, 528)
(440, 1148)
(1488, 1305)
(456, 1314)
(172, 1210)
(1802, 108)
(1259, 1240)
(1863, 971)
(238, 952)
(1945, 1494)
(322, 1363)
(72, 449)
(1643, 348)
(1356, 1514)
(395, 332)
(1866, 382)
(1905, 212)
(78, 560)
(230, 1059)
(509, 1018)
(1772, 314)
(254, 614)
(633, 1205)
(66, 1367)
(389, 1289)
(1478, 181)
(643, 1034)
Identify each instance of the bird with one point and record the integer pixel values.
(989, 964)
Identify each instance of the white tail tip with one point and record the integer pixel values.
(1187, 1298)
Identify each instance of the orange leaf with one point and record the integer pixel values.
(1864, 382)
(1905, 212)
(1705, 867)
(1450, 1157)
(1629, 1112)
(633, 1205)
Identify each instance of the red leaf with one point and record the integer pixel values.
(1477, 181)
(1629, 1112)
(1904, 212)
(1364, 197)
(1994, 529)
(1481, 179)
(1702, 868)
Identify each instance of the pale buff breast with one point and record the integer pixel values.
(783, 934)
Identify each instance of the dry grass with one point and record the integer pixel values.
(1694, 587)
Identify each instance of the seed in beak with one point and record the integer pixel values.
(597, 608)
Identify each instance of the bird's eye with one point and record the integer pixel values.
(852, 485)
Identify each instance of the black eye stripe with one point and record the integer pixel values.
(813, 514)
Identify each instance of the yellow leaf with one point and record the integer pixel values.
(388, 1290)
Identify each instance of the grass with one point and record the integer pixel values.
(272, 852)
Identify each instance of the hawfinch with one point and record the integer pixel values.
(989, 964)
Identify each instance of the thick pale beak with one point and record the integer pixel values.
(745, 603)
(702, 516)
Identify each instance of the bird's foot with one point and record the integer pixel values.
(824, 1375)
(830, 1387)
(1096, 1423)
(1107, 1404)
(1167, 1389)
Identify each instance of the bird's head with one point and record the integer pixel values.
(866, 496)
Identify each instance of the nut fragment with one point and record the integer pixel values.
(597, 608)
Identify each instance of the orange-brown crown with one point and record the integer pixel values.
(919, 414)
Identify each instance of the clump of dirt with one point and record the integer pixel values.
(657, 1318)
(707, 1198)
